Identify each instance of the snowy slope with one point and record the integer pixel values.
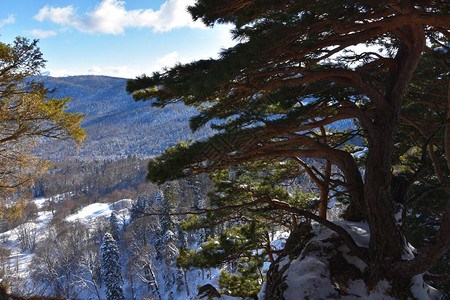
(19, 262)
(20, 259)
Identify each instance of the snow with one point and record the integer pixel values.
(40, 202)
(308, 275)
(262, 294)
(421, 290)
(222, 297)
(279, 240)
(399, 215)
(308, 278)
(44, 216)
(284, 261)
(408, 251)
(360, 154)
(101, 211)
(356, 261)
(20, 259)
(360, 232)
(89, 212)
(358, 290)
(122, 204)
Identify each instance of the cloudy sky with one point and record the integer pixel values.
(111, 37)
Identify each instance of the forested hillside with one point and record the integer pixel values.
(116, 126)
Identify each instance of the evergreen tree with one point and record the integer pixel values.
(111, 268)
(167, 205)
(27, 116)
(245, 246)
(295, 71)
(114, 226)
(181, 235)
(138, 208)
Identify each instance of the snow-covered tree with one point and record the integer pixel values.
(138, 208)
(114, 226)
(111, 268)
(167, 204)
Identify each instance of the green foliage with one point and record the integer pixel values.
(277, 96)
(234, 243)
(245, 284)
(27, 116)
(245, 242)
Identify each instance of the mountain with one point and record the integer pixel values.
(116, 125)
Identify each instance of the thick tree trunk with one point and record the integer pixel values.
(387, 241)
(386, 238)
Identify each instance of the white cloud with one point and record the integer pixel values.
(95, 70)
(115, 71)
(58, 72)
(42, 33)
(10, 20)
(123, 71)
(58, 15)
(111, 17)
(168, 60)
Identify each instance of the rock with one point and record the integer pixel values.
(208, 292)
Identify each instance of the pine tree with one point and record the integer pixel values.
(111, 268)
(244, 246)
(114, 226)
(28, 115)
(167, 205)
(138, 208)
(295, 70)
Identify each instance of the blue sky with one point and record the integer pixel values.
(111, 37)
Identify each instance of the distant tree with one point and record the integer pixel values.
(138, 208)
(167, 202)
(141, 254)
(111, 268)
(27, 115)
(89, 274)
(56, 265)
(294, 70)
(114, 226)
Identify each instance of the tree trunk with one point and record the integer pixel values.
(324, 191)
(186, 282)
(387, 240)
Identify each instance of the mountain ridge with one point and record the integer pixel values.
(116, 125)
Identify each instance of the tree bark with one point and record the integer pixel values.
(324, 191)
(387, 240)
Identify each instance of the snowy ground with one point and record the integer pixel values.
(19, 260)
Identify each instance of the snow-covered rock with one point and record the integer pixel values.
(316, 264)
